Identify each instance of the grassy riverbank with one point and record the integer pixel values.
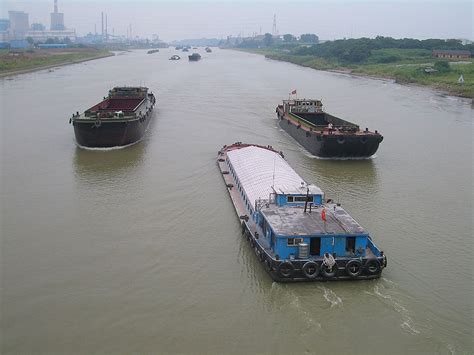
(14, 62)
(407, 69)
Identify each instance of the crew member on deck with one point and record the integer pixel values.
(330, 127)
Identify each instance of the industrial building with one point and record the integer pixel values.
(17, 28)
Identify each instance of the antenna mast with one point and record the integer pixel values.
(274, 29)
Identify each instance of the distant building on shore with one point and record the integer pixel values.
(19, 24)
(17, 28)
(451, 54)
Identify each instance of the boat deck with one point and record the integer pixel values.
(322, 130)
(117, 104)
(238, 202)
(294, 221)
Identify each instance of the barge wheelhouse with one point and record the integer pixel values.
(295, 234)
(120, 119)
(325, 135)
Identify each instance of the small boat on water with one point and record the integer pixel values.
(185, 50)
(175, 57)
(295, 233)
(153, 51)
(325, 135)
(194, 57)
(208, 49)
(120, 119)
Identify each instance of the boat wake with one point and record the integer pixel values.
(407, 322)
(331, 297)
(309, 155)
(108, 148)
(309, 320)
(345, 158)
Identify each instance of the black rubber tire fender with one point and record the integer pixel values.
(329, 274)
(354, 268)
(308, 266)
(372, 267)
(244, 228)
(252, 242)
(286, 269)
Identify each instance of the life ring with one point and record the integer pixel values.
(341, 140)
(354, 268)
(310, 269)
(97, 123)
(329, 273)
(372, 266)
(364, 140)
(286, 269)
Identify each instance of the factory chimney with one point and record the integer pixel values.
(102, 33)
(57, 19)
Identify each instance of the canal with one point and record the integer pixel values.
(140, 250)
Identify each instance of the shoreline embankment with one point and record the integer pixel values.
(53, 65)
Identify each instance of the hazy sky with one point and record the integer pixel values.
(180, 19)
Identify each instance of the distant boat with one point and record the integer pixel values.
(185, 50)
(175, 57)
(208, 50)
(153, 51)
(194, 57)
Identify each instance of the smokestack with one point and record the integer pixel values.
(106, 28)
(102, 24)
(55, 6)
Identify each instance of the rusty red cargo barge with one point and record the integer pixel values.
(121, 119)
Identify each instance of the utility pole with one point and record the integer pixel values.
(274, 29)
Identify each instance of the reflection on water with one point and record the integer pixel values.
(352, 176)
(94, 165)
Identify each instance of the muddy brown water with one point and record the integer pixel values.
(139, 249)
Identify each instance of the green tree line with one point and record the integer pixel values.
(355, 51)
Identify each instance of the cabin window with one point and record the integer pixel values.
(303, 198)
(289, 199)
(294, 241)
(350, 245)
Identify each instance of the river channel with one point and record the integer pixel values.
(139, 250)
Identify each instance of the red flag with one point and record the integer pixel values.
(323, 214)
(293, 92)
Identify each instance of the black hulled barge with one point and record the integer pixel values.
(120, 119)
(325, 135)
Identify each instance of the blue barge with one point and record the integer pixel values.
(295, 233)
